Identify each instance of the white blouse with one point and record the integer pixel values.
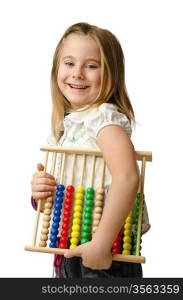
(80, 130)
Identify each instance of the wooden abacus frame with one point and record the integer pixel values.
(142, 156)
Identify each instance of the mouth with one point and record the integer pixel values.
(77, 86)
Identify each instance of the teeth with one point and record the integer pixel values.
(78, 86)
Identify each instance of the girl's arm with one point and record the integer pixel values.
(119, 155)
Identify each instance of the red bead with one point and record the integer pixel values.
(64, 233)
(67, 213)
(69, 195)
(67, 207)
(63, 245)
(70, 188)
(116, 244)
(65, 226)
(118, 238)
(63, 239)
(115, 251)
(68, 201)
(66, 219)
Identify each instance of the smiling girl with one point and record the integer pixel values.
(91, 108)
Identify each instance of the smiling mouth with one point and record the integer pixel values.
(78, 86)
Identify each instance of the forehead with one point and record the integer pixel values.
(79, 46)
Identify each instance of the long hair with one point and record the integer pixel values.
(113, 87)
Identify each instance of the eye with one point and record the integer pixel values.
(69, 63)
(90, 66)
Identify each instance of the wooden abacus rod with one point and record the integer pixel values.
(83, 169)
(142, 177)
(72, 168)
(92, 171)
(102, 174)
(62, 168)
(39, 206)
(90, 151)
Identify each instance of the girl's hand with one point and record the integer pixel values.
(93, 256)
(43, 184)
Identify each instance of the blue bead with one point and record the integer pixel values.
(55, 225)
(52, 245)
(57, 212)
(53, 238)
(59, 200)
(59, 193)
(60, 187)
(58, 205)
(56, 219)
(54, 231)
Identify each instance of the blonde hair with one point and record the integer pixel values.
(113, 87)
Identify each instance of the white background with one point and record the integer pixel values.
(151, 36)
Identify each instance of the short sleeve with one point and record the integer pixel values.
(51, 141)
(107, 114)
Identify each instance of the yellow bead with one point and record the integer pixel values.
(78, 208)
(127, 232)
(126, 252)
(75, 227)
(127, 239)
(79, 202)
(74, 241)
(75, 234)
(127, 246)
(80, 190)
(77, 214)
(79, 196)
(128, 226)
(72, 246)
(129, 220)
(77, 221)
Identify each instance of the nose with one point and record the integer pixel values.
(78, 73)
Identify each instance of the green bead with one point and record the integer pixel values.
(90, 191)
(138, 196)
(87, 221)
(85, 235)
(89, 197)
(134, 252)
(87, 216)
(89, 203)
(83, 241)
(86, 228)
(88, 209)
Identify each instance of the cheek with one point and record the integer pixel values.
(61, 77)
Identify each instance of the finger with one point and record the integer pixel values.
(43, 188)
(73, 252)
(40, 167)
(41, 195)
(44, 181)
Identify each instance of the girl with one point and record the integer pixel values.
(91, 108)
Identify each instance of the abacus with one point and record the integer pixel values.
(72, 214)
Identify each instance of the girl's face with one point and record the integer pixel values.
(79, 73)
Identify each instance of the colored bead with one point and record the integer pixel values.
(76, 221)
(60, 187)
(83, 241)
(75, 234)
(70, 188)
(79, 196)
(74, 241)
(80, 190)
(75, 227)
